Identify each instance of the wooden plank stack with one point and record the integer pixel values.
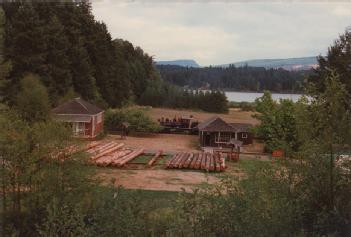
(198, 161)
(110, 153)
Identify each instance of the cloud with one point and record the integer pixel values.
(342, 11)
(219, 32)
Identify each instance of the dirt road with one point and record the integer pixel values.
(167, 180)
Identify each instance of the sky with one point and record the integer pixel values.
(221, 32)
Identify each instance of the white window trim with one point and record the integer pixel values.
(244, 135)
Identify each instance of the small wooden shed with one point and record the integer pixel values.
(86, 120)
(215, 132)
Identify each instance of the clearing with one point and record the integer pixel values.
(136, 176)
(169, 143)
(172, 180)
(234, 115)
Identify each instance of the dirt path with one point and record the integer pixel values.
(167, 180)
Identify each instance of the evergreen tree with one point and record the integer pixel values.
(57, 76)
(33, 101)
(25, 45)
(338, 59)
(5, 66)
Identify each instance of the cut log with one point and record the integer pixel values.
(189, 160)
(212, 165)
(199, 161)
(153, 160)
(218, 162)
(107, 151)
(98, 149)
(203, 161)
(104, 161)
(175, 160)
(168, 164)
(130, 157)
(207, 164)
(119, 156)
(180, 160)
(193, 162)
(184, 161)
(222, 163)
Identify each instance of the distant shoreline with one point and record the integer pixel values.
(273, 92)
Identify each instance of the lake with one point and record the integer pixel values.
(251, 96)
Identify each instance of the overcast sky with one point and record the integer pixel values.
(218, 32)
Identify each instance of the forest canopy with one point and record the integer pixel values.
(68, 49)
(73, 54)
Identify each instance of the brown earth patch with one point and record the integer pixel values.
(234, 115)
(158, 179)
(166, 142)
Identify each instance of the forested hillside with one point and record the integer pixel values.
(72, 53)
(235, 78)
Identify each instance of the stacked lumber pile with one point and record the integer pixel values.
(110, 153)
(198, 161)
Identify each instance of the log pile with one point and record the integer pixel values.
(110, 153)
(198, 161)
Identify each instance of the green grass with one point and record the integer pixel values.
(151, 200)
(249, 165)
(163, 160)
(144, 159)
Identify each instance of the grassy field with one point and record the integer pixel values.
(162, 179)
(142, 159)
(234, 115)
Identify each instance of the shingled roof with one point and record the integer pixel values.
(216, 124)
(241, 127)
(77, 106)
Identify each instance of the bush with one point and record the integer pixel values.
(244, 106)
(137, 119)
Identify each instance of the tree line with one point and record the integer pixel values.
(246, 78)
(163, 94)
(72, 53)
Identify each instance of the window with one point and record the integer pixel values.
(78, 128)
(244, 135)
(223, 137)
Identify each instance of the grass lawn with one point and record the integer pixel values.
(150, 199)
(142, 159)
(234, 115)
(163, 159)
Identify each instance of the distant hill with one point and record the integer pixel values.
(290, 64)
(181, 62)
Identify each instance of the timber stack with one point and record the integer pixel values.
(197, 161)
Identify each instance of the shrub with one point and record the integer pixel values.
(137, 119)
(244, 106)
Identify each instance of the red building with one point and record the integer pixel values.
(87, 120)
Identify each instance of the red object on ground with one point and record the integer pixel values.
(278, 153)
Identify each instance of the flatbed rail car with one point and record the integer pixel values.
(179, 125)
